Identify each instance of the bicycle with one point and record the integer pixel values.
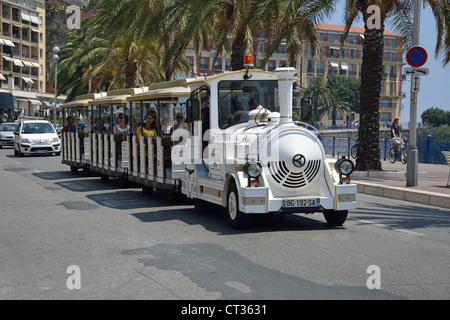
(399, 151)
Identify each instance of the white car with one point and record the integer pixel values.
(7, 133)
(36, 137)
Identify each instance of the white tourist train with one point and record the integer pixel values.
(226, 140)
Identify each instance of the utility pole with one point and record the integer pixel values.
(413, 153)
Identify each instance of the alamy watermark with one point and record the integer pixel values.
(74, 17)
(374, 280)
(74, 280)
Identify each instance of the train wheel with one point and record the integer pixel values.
(236, 218)
(335, 218)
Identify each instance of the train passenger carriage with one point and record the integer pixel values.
(226, 140)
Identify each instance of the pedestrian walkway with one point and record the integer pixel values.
(391, 183)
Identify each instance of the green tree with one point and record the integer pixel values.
(335, 105)
(347, 89)
(435, 117)
(319, 94)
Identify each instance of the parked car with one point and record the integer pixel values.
(7, 134)
(36, 137)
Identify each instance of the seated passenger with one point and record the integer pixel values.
(122, 125)
(148, 129)
(180, 122)
(77, 126)
(70, 121)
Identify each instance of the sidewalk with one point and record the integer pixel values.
(431, 189)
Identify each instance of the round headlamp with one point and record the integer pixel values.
(344, 166)
(253, 169)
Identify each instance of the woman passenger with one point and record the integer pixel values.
(122, 125)
(148, 129)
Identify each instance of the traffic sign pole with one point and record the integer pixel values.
(413, 153)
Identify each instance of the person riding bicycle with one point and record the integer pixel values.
(396, 135)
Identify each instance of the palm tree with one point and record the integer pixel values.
(334, 106)
(319, 94)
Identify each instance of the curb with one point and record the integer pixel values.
(422, 197)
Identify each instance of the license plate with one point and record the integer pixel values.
(300, 203)
(41, 151)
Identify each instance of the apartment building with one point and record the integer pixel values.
(332, 60)
(22, 42)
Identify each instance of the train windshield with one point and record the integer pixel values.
(6, 107)
(238, 97)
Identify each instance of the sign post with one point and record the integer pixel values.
(416, 57)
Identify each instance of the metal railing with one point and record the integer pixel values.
(430, 150)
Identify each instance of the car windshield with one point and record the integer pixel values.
(32, 128)
(8, 126)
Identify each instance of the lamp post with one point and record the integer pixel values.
(55, 51)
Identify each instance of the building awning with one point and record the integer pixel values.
(36, 102)
(18, 62)
(27, 63)
(8, 43)
(34, 17)
(25, 15)
(335, 48)
(2, 77)
(34, 30)
(28, 80)
(2, 42)
(35, 65)
(344, 66)
(334, 64)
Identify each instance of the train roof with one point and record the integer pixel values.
(167, 89)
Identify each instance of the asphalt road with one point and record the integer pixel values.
(69, 236)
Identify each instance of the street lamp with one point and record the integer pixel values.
(55, 51)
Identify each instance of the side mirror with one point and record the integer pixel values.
(192, 110)
(16, 133)
(306, 109)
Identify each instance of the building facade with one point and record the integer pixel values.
(22, 42)
(331, 60)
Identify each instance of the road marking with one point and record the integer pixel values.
(387, 227)
(36, 171)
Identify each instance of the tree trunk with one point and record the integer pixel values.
(130, 74)
(371, 77)
(238, 50)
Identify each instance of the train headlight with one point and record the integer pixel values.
(253, 169)
(344, 166)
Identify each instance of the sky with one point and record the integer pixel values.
(434, 88)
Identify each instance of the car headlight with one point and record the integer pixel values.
(55, 140)
(24, 140)
(253, 169)
(2, 136)
(344, 166)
